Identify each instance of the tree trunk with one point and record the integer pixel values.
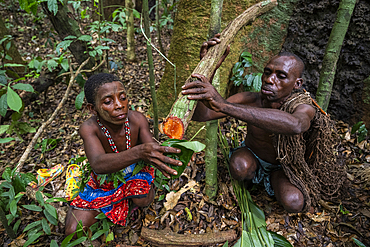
(332, 51)
(65, 26)
(12, 52)
(145, 13)
(130, 53)
(157, 17)
(183, 108)
(212, 126)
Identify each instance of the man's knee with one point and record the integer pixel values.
(293, 202)
(243, 165)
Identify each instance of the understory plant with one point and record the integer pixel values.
(254, 232)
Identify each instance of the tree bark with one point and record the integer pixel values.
(12, 52)
(168, 238)
(212, 126)
(145, 13)
(65, 26)
(184, 108)
(332, 52)
(158, 25)
(130, 39)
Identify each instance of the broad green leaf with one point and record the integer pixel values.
(18, 183)
(50, 218)
(3, 128)
(100, 216)
(32, 207)
(13, 207)
(51, 210)
(80, 100)
(53, 6)
(54, 243)
(32, 238)
(246, 55)
(65, 64)
(195, 146)
(45, 226)
(70, 37)
(77, 241)
(244, 240)
(28, 177)
(356, 127)
(86, 38)
(359, 243)
(257, 82)
(140, 165)
(7, 174)
(80, 80)
(16, 225)
(13, 100)
(236, 67)
(32, 225)
(250, 80)
(110, 237)
(226, 244)
(52, 64)
(67, 240)
(56, 199)
(8, 45)
(98, 234)
(280, 241)
(63, 45)
(39, 198)
(3, 105)
(22, 86)
(3, 79)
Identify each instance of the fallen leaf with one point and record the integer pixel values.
(172, 198)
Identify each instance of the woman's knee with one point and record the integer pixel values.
(145, 201)
(293, 202)
(243, 164)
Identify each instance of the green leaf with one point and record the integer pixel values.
(3, 128)
(77, 241)
(244, 240)
(236, 67)
(246, 55)
(280, 241)
(22, 86)
(39, 198)
(226, 244)
(7, 174)
(67, 239)
(28, 177)
(13, 207)
(51, 210)
(100, 216)
(56, 199)
(356, 127)
(65, 64)
(80, 100)
(50, 218)
(63, 45)
(70, 37)
(161, 197)
(45, 226)
(86, 38)
(16, 225)
(98, 234)
(110, 237)
(53, 6)
(250, 80)
(195, 146)
(257, 82)
(3, 79)
(53, 243)
(3, 105)
(138, 167)
(358, 242)
(18, 183)
(32, 225)
(13, 100)
(13, 65)
(32, 207)
(8, 45)
(52, 64)
(32, 238)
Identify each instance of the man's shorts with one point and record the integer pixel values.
(263, 172)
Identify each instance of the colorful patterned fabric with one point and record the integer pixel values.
(114, 202)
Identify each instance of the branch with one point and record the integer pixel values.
(41, 129)
(86, 70)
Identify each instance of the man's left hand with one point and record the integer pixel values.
(204, 91)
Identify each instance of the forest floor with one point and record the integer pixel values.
(328, 224)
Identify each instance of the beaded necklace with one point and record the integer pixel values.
(110, 139)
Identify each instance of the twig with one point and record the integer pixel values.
(86, 70)
(42, 127)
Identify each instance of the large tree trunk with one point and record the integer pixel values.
(183, 108)
(332, 51)
(212, 126)
(12, 52)
(65, 26)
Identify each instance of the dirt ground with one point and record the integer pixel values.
(326, 225)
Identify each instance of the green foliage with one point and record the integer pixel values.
(361, 131)
(166, 19)
(358, 243)
(251, 82)
(11, 192)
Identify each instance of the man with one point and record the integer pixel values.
(258, 160)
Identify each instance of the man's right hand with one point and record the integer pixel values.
(152, 153)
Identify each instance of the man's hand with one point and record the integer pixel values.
(152, 153)
(204, 91)
(208, 44)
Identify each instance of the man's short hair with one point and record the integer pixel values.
(95, 82)
(297, 58)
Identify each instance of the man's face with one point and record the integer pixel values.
(111, 102)
(280, 76)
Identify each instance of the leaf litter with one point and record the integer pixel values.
(191, 212)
